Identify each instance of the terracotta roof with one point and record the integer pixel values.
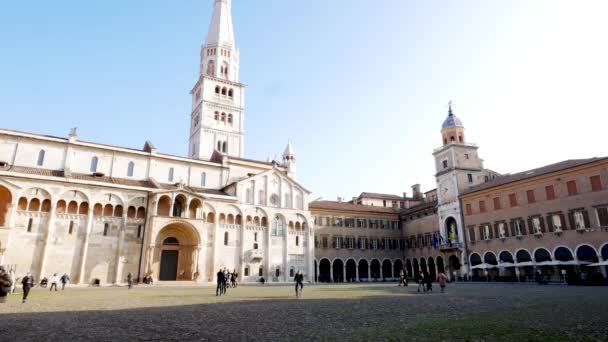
(112, 180)
(419, 207)
(510, 178)
(33, 171)
(382, 196)
(333, 205)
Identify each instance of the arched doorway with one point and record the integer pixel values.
(316, 271)
(397, 268)
(5, 200)
(338, 271)
(423, 266)
(351, 270)
(416, 269)
(375, 269)
(176, 253)
(586, 254)
(507, 264)
(525, 264)
(440, 265)
(453, 266)
(363, 270)
(451, 229)
(432, 270)
(387, 269)
(408, 268)
(324, 271)
(492, 265)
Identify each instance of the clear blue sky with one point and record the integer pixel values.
(361, 87)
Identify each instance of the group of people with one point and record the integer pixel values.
(225, 279)
(425, 281)
(8, 283)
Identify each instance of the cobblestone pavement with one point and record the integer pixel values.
(365, 312)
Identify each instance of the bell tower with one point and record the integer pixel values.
(218, 108)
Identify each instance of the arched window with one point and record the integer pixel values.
(203, 179)
(230, 119)
(217, 90)
(106, 227)
(94, 161)
(224, 147)
(230, 93)
(277, 226)
(224, 91)
(223, 117)
(217, 114)
(261, 271)
(297, 240)
(170, 174)
(171, 241)
(211, 68)
(130, 169)
(41, 158)
(219, 146)
(226, 239)
(246, 271)
(249, 196)
(261, 197)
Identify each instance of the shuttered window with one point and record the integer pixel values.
(596, 183)
(482, 206)
(496, 203)
(512, 200)
(469, 209)
(571, 188)
(530, 195)
(550, 191)
(602, 214)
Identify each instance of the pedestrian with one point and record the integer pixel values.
(28, 283)
(220, 283)
(421, 282)
(54, 282)
(233, 280)
(64, 280)
(442, 280)
(11, 273)
(402, 278)
(130, 280)
(429, 282)
(5, 284)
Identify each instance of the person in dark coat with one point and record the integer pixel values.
(64, 280)
(28, 283)
(130, 280)
(429, 282)
(220, 283)
(5, 284)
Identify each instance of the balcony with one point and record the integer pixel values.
(255, 254)
(444, 247)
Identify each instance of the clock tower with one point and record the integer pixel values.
(458, 167)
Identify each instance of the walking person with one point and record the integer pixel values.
(5, 284)
(421, 282)
(442, 279)
(54, 282)
(28, 283)
(299, 279)
(402, 278)
(233, 280)
(64, 280)
(429, 282)
(219, 290)
(130, 280)
(225, 281)
(11, 273)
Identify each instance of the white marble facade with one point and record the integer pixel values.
(97, 211)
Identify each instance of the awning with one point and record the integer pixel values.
(483, 266)
(506, 264)
(601, 263)
(525, 263)
(548, 263)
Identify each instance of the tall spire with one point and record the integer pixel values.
(221, 31)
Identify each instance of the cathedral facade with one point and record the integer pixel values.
(98, 212)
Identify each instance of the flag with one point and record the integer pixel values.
(435, 241)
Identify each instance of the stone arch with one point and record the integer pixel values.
(131, 212)
(163, 207)
(34, 205)
(376, 269)
(351, 270)
(604, 251)
(387, 269)
(422, 264)
(505, 256)
(451, 229)
(542, 254)
(324, 270)
(363, 266)
(195, 208)
(408, 268)
(176, 260)
(397, 267)
(563, 253)
(75, 195)
(72, 207)
(490, 258)
(6, 198)
(523, 255)
(180, 203)
(475, 259)
(440, 264)
(432, 269)
(586, 253)
(338, 270)
(416, 268)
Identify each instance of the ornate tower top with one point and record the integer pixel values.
(221, 32)
(452, 129)
(289, 160)
(219, 55)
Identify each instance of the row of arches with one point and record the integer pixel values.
(338, 271)
(583, 253)
(223, 117)
(223, 90)
(82, 208)
(429, 265)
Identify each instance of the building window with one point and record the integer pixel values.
(216, 116)
(94, 161)
(557, 222)
(517, 228)
(217, 90)
(337, 222)
(324, 242)
(466, 156)
(472, 234)
(130, 169)
(530, 196)
(255, 245)
(224, 147)
(203, 179)
(41, 157)
(297, 240)
(361, 223)
(30, 223)
(469, 209)
(338, 242)
(445, 164)
(596, 183)
(496, 203)
(106, 228)
(579, 219)
(550, 191)
(373, 223)
(230, 119)
(482, 206)
(470, 177)
(512, 200)
(226, 236)
(502, 233)
(170, 176)
(139, 231)
(486, 232)
(71, 228)
(246, 271)
(602, 215)
(260, 271)
(571, 185)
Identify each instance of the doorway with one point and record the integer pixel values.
(168, 265)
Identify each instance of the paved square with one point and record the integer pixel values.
(362, 312)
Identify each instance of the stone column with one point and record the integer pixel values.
(357, 272)
(517, 273)
(369, 271)
(344, 279)
(85, 247)
(50, 230)
(121, 238)
(285, 245)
